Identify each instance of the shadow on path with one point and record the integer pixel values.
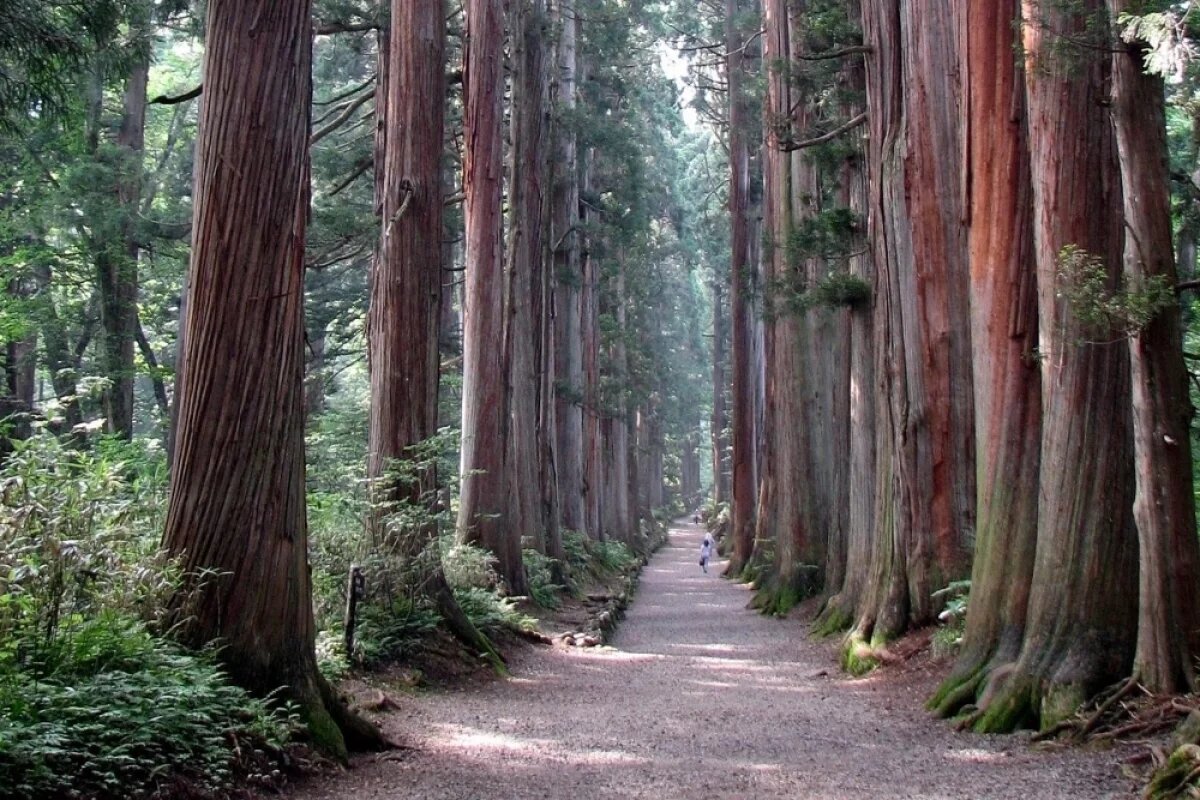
(700, 698)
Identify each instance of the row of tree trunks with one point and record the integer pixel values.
(406, 288)
(1081, 579)
(1081, 621)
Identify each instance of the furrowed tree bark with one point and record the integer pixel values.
(525, 195)
(1081, 625)
(237, 508)
(1168, 633)
(848, 584)
(742, 283)
(1004, 341)
(485, 513)
(406, 288)
(925, 473)
(567, 278)
(782, 516)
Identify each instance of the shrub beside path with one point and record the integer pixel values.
(699, 697)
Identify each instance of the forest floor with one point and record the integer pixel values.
(699, 697)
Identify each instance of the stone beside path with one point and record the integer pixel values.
(699, 697)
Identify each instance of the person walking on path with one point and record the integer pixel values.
(706, 548)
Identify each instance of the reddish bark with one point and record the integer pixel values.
(925, 472)
(1081, 623)
(237, 483)
(1004, 339)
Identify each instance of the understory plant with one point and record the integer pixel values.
(95, 700)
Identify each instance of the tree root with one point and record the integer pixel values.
(357, 733)
(958, 691)
(779, 594)
(834, 618)
(460, 626)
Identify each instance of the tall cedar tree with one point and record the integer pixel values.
(568, 279)
(848, 562)
(1004, 337)
(924, 435)
(782, 517)
(237, 508)
(1082, 617)
(741, 286)
(1168, 639)
(485, 505)
(524, 271)
(406, 279)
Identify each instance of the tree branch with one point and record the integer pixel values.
(168, 100)
(840, 53)
(341, 118)
(790, 146)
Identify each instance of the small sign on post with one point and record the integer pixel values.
(356, 589)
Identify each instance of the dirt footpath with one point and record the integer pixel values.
(701, 698)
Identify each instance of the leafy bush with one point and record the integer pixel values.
(539, 572)
(468, 566)
(93, 701)
(947, 638)
(386, 633)
(612, 556)
(111, 711)
(575, 546)
(491, 613)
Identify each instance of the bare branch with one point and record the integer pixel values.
(167, 100)
(789, 146)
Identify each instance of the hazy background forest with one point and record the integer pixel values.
(899, 294)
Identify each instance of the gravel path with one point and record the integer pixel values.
(701, 698)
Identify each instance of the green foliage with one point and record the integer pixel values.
(114, 712)
(491, 613)
(93, 701)
(611, 557)
(385, 634)
(1103, 309)
(946, 639)
(539, 573)
(468, 566)
(828, 234)
(841, 289)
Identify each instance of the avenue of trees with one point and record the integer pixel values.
(458, 299)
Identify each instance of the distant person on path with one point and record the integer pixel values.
(706, 548)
